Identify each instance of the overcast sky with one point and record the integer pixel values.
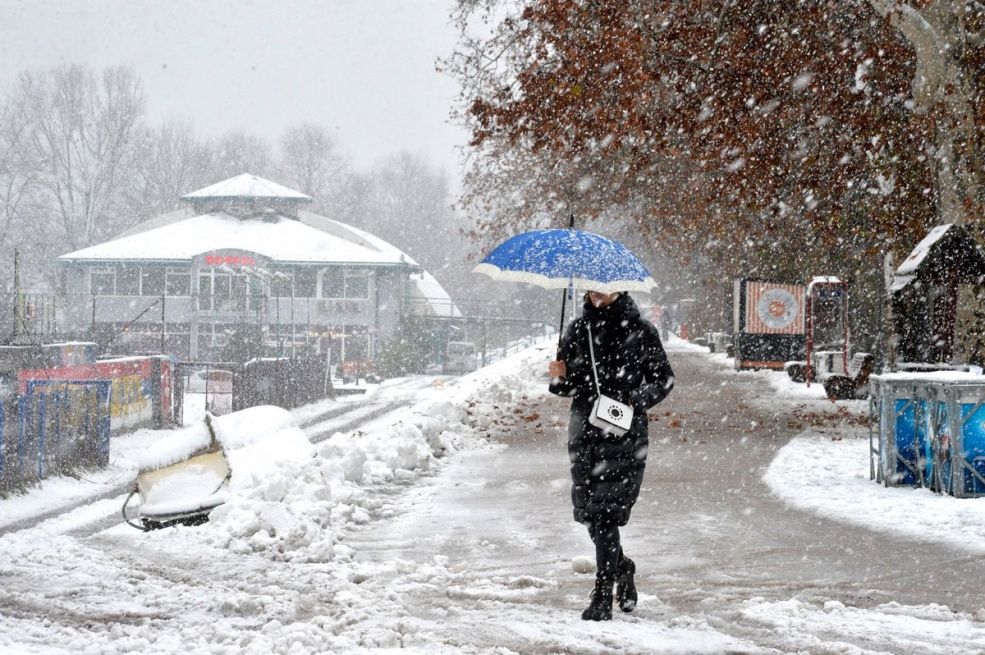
(363, 68)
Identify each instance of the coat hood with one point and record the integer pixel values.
(622, 308)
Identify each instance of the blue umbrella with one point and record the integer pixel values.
(559, 259)
(555, 258)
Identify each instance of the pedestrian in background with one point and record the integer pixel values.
(607, 470)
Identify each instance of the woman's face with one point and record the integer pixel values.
(600, 300)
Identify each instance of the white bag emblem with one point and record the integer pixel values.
(611, 416)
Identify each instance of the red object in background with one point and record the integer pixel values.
(99, 371)
(656, 313)
(354, 368)
(684, 332)
(231, 260)
(149, 377)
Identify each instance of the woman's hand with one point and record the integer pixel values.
(557, 368)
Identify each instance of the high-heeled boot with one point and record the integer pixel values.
(625, 585)
(600, 608)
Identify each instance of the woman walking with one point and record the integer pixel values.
(631, 367)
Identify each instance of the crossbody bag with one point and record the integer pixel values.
(607, 414)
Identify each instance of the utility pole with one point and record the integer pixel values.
(164, 323)
(17, 294)
(293, 349)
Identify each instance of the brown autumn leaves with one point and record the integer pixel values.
(777, 139)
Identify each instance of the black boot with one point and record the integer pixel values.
(626, 586)
(601, 607)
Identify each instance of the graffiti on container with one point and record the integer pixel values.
(130, 396)
(139, 386)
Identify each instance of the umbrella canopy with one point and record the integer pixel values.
(554, 258)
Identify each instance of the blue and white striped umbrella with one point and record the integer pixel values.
(553, 258)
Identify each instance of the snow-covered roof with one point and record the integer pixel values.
(922, 249)
(310, 238)
(353, 234)
(429, 298)
(160, 220)
(824, 279)
(279, 238)
(900, 281)
(247, 186)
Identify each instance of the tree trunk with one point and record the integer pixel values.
(945, 92)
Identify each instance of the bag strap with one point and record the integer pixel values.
(591, 352)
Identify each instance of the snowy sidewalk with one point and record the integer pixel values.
(486, 555)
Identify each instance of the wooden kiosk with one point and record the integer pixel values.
(768, 323)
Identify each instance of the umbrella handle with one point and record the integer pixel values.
(564, 297)
(560, 332)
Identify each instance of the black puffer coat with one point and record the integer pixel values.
(607, 471)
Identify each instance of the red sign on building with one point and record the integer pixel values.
(229, 260)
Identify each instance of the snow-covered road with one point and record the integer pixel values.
(447, 529)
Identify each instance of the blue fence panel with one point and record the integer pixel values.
(42, 410)
(3, 444)
(22, 404)
(59, 426)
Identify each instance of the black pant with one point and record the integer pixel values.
(608, 550)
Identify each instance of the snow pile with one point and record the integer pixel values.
(785, 387)
(285, 514)
(811, 627)
(177, 446)
(411, 442)
(289, 500)
(275, 500)
(831, 478)
(279, 503)
(674, 343)
(249, 432)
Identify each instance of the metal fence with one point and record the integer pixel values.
(224, 387)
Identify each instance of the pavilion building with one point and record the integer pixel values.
(244, 252)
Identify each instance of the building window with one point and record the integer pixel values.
(280, 284)
(357, 285)
(151, 281)
(332, 281)
(306, 283)
(102, 281)
(205, 291)
(127, 280)
(235, 301)
(212, 338)
(222, 292)
(178, 282)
